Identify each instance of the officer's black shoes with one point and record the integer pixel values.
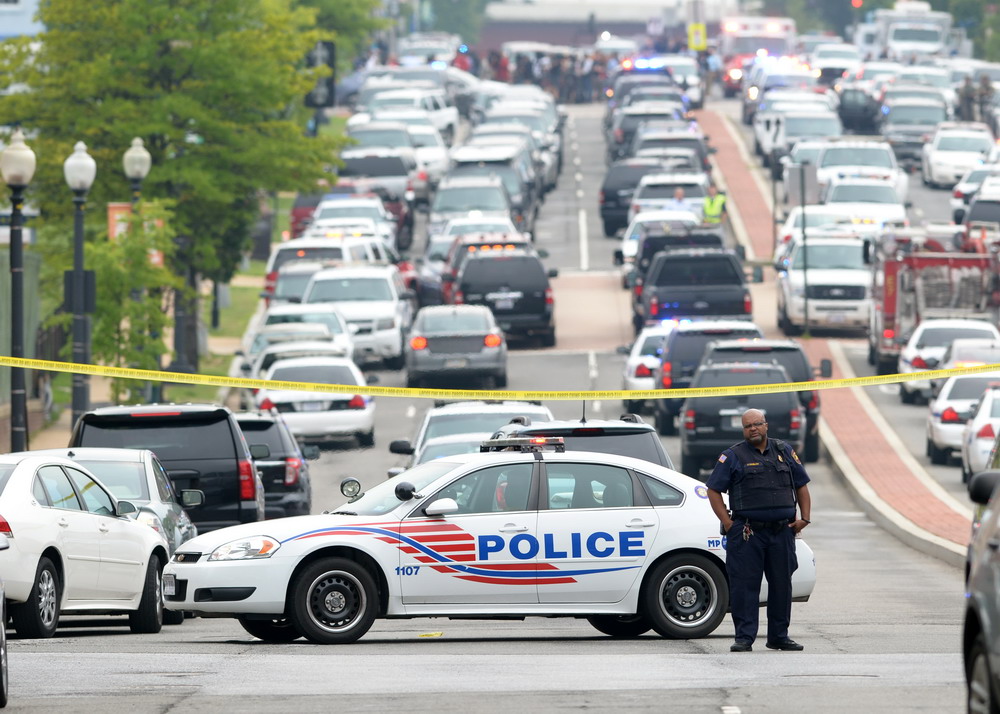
(785, 645)
(743, 646)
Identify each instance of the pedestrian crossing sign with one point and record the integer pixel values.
(697, 36)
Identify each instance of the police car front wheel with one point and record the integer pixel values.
(333, 601)
(686, 596)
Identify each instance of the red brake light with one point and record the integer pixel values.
(458, 298)
(549, 299)
(266, 404)
(814, 400)
(950, 416)
(422, 175)
(689, 420)
(638, 291)
(795, 417)
(5, 528)
(293, 466)
(600, 197)
(619, 136)
(418, 342)
(666, 379)
(248, 481)
(492, 340)
(270, 280)
(958, 194)
(357, 402)
(918, 362)
(888, 334)
(643, 371)
(747, 303)
(985, 433)
(654, 307)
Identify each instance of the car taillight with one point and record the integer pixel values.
(643, 371)
(619, 136)
(888, 334)
(492, 340)
(254, 390)
(689, 420)
(958, 194)
(458, 297)
(422, 175)
(985, 433)
(795, 419)
(248, 481)
(636, 208)
(549, 299)
(5, 528)
(600, 197)
(747, 303)
(813, 401)
(266, 404)
(270, 281)
(666, 380)
(918, 362)
(409, 185)
(293, 466)
(950, 416)
(418, 342)
(785, 238)
(638, 291)
(654, 307)
(357, 402)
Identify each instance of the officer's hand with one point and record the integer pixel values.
(726, 525)
(797, 526)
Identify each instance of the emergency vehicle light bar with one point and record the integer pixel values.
(525, 444)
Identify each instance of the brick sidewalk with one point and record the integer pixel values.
(859, 435)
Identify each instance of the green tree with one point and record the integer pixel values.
(213, 86)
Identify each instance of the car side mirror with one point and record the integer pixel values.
(542, 253)
(825, 368)
(245, 367)
(407, 295)
(260, 451)
(400, 446)
(192, 497)
(553, 272)
(712, 150)
(982, 485)
(908, 204)
(623, 349)
(441, 507)
(405, 490)
(310, 452)
(239, 353)
(124, 508)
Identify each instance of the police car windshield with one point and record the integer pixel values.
(453, 448)
(349, 211)
(461, 200)
(862, 193)
(844, 156)
(666, 190)
(350, 289)
(965, 143)
(970, 387)
(813, 126)
(931, 114)
(943, 336)
(331, 320)
(381, 498)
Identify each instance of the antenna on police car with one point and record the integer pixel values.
(583, 417)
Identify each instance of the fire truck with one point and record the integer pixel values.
(922, 274)
(743, 39)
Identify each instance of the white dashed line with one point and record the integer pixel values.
(577, 161)
(581, 220)
(579, 193)
(411, 411)
(729, 709)
(578, 177)
(592, 365)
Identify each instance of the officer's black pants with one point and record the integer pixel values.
(766, 553)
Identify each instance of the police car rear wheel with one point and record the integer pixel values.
(620, 625)
(686, 596)
(278, 629)
(333, 601)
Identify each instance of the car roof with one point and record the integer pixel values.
(296, 308)
(97, 453)
(491, 152)
(355, 271)
(605, 424)
(170, 409)
(377, 125)
(702, 326)
(302, 346)
(313, 362)
(470, 181)
(758, 344)
(675, 177)
(303, 327)
(456, 438)
(476, 407)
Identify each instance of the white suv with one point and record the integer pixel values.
(837, 284)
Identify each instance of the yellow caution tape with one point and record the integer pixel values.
(491, 394)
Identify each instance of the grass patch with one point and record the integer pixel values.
(217, 365)
(282, 217)
(233, 319)
(335, 127)
(256, 270)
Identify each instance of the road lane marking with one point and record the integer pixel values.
(577, 161)
(411, 411)
(579, 194)
(579, 177)
(592, 366)
(581, 223)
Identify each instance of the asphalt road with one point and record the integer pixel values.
(881, 631)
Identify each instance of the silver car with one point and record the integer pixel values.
(643, 359)
(456, 341)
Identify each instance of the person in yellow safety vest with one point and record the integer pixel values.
(714, 206)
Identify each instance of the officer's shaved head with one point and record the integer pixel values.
(754, 426)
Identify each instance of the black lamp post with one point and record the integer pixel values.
(80, 169)
(17, 166)
(136, 163)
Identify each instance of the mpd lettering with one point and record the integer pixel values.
(552, 546)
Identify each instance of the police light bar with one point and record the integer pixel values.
(524, 444)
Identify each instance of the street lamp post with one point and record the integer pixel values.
(17, 166)
(136, 163)
(80, 169)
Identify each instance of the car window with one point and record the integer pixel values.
(448, 424)
(587, 486)
(329, 319)
(125, 479)
(288, 255)
(738, 376)
(969, 387)
(690, 346)
(170, 439)
(519, 273)
(94, 497)
(38, 490)
(163, 486)
(452, 321)
(57, 486)
(493, 490)
(941, 336)
(349, 289)
(325, 374)
(266, 433)
(661, 494)
(703, 270)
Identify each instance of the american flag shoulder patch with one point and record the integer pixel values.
(722, 458)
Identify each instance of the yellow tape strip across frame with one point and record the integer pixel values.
(488, 394)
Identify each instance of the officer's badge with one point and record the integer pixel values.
(796, 457)
(780, 459)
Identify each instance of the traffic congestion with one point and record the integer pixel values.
(545, 218)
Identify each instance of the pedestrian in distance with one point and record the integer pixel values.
(714, 206)
(766, 482)
(967, 100)
(985, 96)
(678, 203)
(713, 72)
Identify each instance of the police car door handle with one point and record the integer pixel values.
(639, 523)
(512, 528)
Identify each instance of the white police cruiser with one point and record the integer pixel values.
(526, 529)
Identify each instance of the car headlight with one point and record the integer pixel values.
(252, 548)
(799, 291)
(386, 323)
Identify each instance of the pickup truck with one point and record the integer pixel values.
(695, 283)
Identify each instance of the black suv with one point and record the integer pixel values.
(515, 286)
(284, 471)
(710, 425)
(628, 436)
(616, 192)
(790, 355)
(201, 446)
(682, 352)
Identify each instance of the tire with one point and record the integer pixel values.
(3, 653)
(549, 338)
(966, 472)
(665, 424)
(413, 382)
(333, 601)
(938, 456)
(609, 230)
(756, 148)
(366, 440)
(728, 93)
(690, 466)
(632, 406)
(885, 366)
(395, 363)
(621, 626)
(38, 618)
(979, 679)
(278, 629)
(871, 354)
(685, 597)
(173, 617)
(906, 396)
(501, 381)
(811, 449)
(148, 619)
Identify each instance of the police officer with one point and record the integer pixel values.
(713, 206)
(765, 480)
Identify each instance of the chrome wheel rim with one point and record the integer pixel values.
(688, 596)
(159, 597)
(47, 598)
(336, 600)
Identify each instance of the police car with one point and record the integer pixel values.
(526, 529)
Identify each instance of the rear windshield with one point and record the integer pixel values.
(392, 138)
(507, 174)
(453, 321)
(737, 376)
(641, 444)
(666, 190)
(701, 270)
(690, 346)
(461, 200)
(857, 156)
(171, 439)
(793, 361)
(970, 387)
(323, 318)
(291, 254)
(984, 212)
(673, 143)
(125, 479)
(350, 289)
(652, 345)
(452, 448)
(448, 424)
(266, 433)
(349, 210)
(943, 336)
(327, 374)
(518, 273)
(292, 285)
(374, 166)
(626, 176)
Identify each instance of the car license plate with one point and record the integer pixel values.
(169, 584)
(736, 422)
(455, 363)
(837, 317)
(504, 304)
(311, 406)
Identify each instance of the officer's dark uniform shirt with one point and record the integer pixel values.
(728, 471)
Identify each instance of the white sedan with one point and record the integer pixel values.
(980, 431)
(950, 410)
(927, 345)
(953, 153)
(519, 532)
(73, 548)
(643, 358)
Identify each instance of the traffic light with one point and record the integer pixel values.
(856, 4)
